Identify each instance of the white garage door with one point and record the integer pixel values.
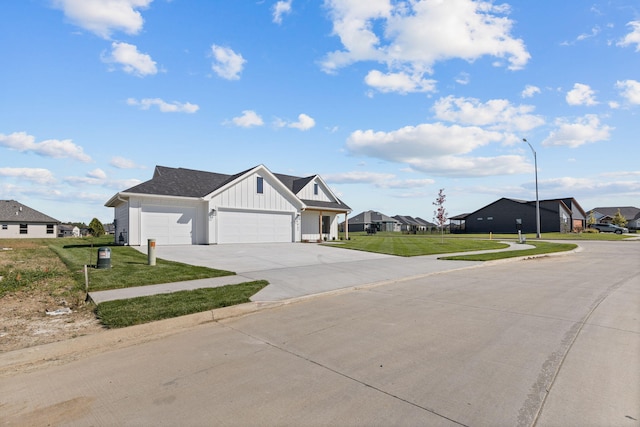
(168, 225)
(254, 227)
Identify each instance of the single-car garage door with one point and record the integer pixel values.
(168, 225)
(254, 227)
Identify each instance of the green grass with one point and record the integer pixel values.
(540, 248)
(128, 266)
(415, 245)
(135, 311)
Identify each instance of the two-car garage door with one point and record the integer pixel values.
(254, 227)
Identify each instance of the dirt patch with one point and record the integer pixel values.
(33, 281)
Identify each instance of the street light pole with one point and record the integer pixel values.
(535, 163)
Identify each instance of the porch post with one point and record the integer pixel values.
(346, 226)
(320, 227)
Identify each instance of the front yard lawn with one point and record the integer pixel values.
(540, 248)
(128, 266)
(415, 245)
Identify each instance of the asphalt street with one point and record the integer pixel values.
(547, 342)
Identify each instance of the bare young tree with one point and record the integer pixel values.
(440, 214)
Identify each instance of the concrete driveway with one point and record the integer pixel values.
(299, 269)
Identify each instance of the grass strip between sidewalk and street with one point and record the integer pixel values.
(135, 311)
(540, 249)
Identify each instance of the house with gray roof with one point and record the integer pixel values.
(20, 221)
(606, 215)
(180, 206)
(408, 224)
(371, 220)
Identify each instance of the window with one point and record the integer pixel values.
(49, 228)
(489, 218)
(259, 185)
(5, 226)
(23, 228)
(315, 189)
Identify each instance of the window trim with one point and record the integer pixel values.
(24, 228)
(50, 228)
(259, 185)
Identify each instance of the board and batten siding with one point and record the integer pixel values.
(307, 192)
(244, 195)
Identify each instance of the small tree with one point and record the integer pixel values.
(619, 219)
(440, 214)
(591, 219)
(96, 227)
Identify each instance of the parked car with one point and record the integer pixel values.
(609, 228)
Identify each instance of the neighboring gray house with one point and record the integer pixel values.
(180, 206)
(20, 221)
(426, 225)
(371, 219)
(68, 230)
(409, 224)
(505, 215)
(606, 214)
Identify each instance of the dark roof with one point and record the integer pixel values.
(370, 217)
(406, 220)
(629, 212)
(425, 222)
(183, 182)
(339, 205)
(13, 211)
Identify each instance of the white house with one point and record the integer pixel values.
(184, 207)
(21, 221)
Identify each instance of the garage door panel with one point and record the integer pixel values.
(254, 227)
(168, 225)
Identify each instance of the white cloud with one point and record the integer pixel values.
(410, 37)
(584, 130)
(379, 180)
(437, 149)
(633, 37)
(630, 90)
(226, 63)
(123, 163)
(281, 8)
(399, 82)
(54, 148)
(97, 174)
(132, 61)
(463, 78)
(581, 94)
(37, 175)
(165, 107)
(529, 91)
(248, 119)
(304, 122)
(103, 17)
(495, 113)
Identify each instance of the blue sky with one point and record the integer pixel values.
(388, 101)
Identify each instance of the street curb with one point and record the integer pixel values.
(62, 352)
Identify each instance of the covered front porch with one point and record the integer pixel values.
(322, 224)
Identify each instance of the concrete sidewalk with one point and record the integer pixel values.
(293, 270)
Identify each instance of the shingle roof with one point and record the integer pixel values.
(13, 211)
(183, 182)
(629, 212)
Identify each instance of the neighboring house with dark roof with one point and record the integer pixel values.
(21, 221)
(68, 230)
(506, 215)
(426, 225)
(408, 224)
(183, 206)
(630, 213)
(371, 220)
